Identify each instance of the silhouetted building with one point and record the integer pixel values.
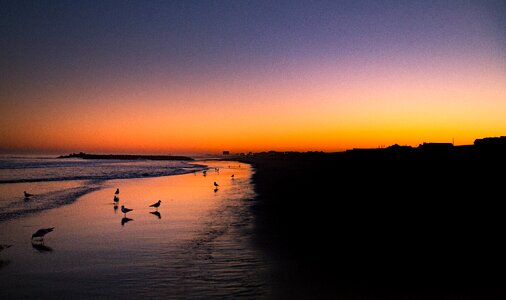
(436, 146)
(491, 142)
(398, 148)
(491, 147)
(435, 149)
(226, 152)
(364, 150)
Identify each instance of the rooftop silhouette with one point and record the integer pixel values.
(490, 146)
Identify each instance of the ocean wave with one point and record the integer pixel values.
(47, 201)
(43, 172)
(89, 176)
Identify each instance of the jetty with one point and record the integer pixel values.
(83, 155)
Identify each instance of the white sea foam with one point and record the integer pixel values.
(57, 182)
(28, 169)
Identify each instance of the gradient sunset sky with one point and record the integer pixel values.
(204, 76)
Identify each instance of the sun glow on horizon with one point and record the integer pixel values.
(354, 81)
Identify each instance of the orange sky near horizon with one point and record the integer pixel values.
(350, 76)
(312, 110)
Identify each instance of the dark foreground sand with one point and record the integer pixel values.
(391, 227)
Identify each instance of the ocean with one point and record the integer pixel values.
(59, 181)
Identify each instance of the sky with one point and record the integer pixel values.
(178, 77)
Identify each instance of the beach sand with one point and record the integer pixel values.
(198, 246)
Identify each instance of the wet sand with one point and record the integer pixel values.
(199, 245)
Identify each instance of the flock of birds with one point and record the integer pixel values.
(39, 234)
(125, 210)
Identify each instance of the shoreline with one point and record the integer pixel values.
(333, 227)
(197, 244)
(52, 198)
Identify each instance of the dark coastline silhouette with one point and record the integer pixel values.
(83, 155)
(396, 222)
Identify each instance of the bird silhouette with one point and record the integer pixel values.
(156, 205)
(28, 195)
(216, 185)
(116, 199)
(125, 210)
(42, 232)
(232, 176)
(117, 192)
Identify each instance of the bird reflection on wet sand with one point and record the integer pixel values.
(4, 246)
(125, 220)
(41, 247)
(115, 208)
(156, 213)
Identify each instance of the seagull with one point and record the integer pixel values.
(116, 199)
(117, 192)
(156, 205)
(125, 210)
(27, 195)
(216, 185)
(204, 172)
(4, 246)
(42, 232)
